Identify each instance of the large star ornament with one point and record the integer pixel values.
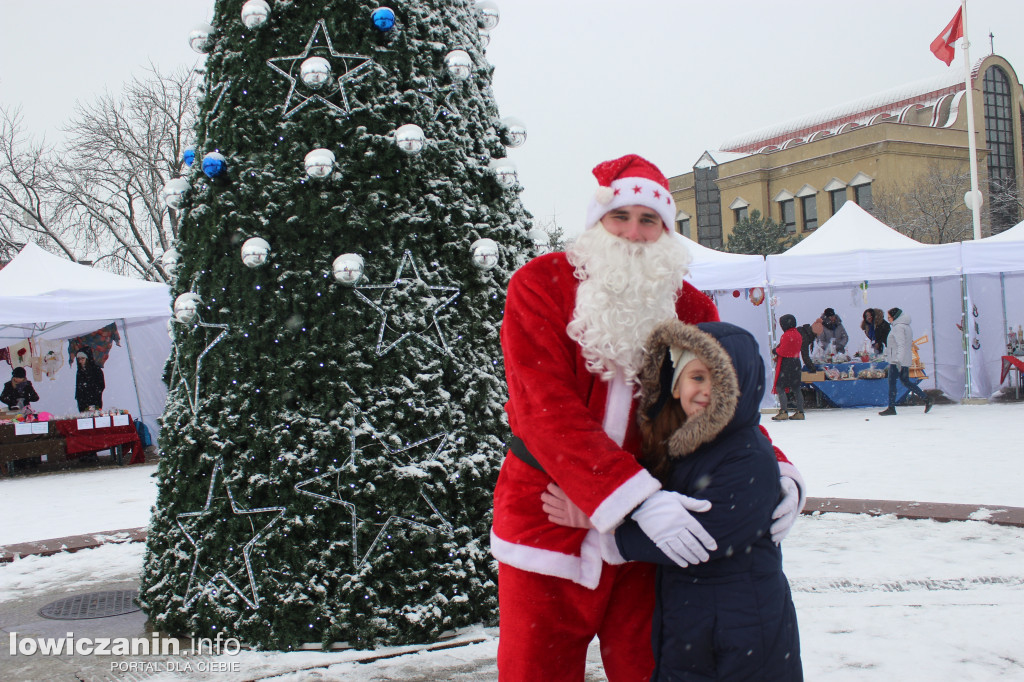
(408, 321)
(192, 390)
(341, 485)
(214, 566)
(299, 94)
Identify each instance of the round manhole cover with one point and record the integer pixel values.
(92, 605)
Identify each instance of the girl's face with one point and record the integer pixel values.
(693, 389)
(869, 316)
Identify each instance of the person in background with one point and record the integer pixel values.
(832, 330)
(876, 329)
(808, 337)
(18, 392)
(787, 371)
(733, 617)
(899, 355)
(89, 383)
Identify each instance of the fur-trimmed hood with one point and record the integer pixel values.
(737, 380)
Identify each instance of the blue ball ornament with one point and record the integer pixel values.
(383, 19)
(214, 165)
(188, 156)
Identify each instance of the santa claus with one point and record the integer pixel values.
(573, 337)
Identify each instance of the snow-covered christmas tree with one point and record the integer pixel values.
(334, 423)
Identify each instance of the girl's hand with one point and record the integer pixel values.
(561, 510)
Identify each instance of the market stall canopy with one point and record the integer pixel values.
(711, 270)
(47, 296)
(853, 246)
(1003, 252)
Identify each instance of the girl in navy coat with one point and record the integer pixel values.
(732, 616)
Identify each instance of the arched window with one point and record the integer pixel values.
(1002, 173)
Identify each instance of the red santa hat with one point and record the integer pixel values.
(630, 181)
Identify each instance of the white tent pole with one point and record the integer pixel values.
(972, 145)
(131, 363)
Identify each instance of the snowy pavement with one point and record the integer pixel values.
(877, 598)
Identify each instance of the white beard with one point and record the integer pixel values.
(626, 289)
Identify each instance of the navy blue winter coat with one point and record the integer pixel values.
(731, 618)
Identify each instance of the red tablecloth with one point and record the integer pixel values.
(104, 438)
(1008, 362)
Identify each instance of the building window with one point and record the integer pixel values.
(837, 198)
(684, 227)
(1002, 173)
(862, 195)
(809, 205)
(788, 212)
(709, 207)
(740, 213)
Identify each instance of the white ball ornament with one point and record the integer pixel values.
(186, 307)
(459, 64)
(515, 132)
(170, 260)
(315, 72)
(487, 14)
(410, 138)
(485, 253)
(348, 268)
(255, 13)
(255, 252)
(504, 172)
(319, 163)
(173, 193)
(200, 38)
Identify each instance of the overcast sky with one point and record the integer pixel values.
(592, 79)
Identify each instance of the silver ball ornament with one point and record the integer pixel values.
(541, 241)
(255, 13)
(255, 252)
(410, 138)
(186, 307)
(485, 38)
(459, 64)
(315, 72)
(200, 38)
(485, 253)
(173, 193)
(515, 132)
(487, 14)
(319, 163)
(504, 172)
(170, 261)
(348, 268)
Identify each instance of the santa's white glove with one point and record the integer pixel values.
(561, 510)
(610, 549)
(665, 518)
(788, 509)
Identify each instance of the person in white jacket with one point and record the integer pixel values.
(898, 353)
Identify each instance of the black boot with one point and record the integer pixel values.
(889, 411)
(928, 402)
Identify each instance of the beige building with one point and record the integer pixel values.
(800, 173)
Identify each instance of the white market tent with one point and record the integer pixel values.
(46, 297)
(853, 262)
(993, 266)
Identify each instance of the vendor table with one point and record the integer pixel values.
(859, 392)
(1012, 363)
(67, 438)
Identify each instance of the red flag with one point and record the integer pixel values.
(942, 46)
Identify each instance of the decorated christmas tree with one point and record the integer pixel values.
(334, 422)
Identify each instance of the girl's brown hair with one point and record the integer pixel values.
(656, 433)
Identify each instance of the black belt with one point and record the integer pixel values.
(518, 448)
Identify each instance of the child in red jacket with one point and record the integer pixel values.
(787, 370)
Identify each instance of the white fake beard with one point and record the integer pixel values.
(626, 289)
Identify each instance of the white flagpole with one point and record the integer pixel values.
(972, 145)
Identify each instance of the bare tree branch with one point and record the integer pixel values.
(929, 207)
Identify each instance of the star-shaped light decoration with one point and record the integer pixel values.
(351, 66)
(221, 89)
(213, 566)
(343, 485)
(432, 93)
(193, 394)
(412, 320)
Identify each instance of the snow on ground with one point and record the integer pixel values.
(877, 598)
